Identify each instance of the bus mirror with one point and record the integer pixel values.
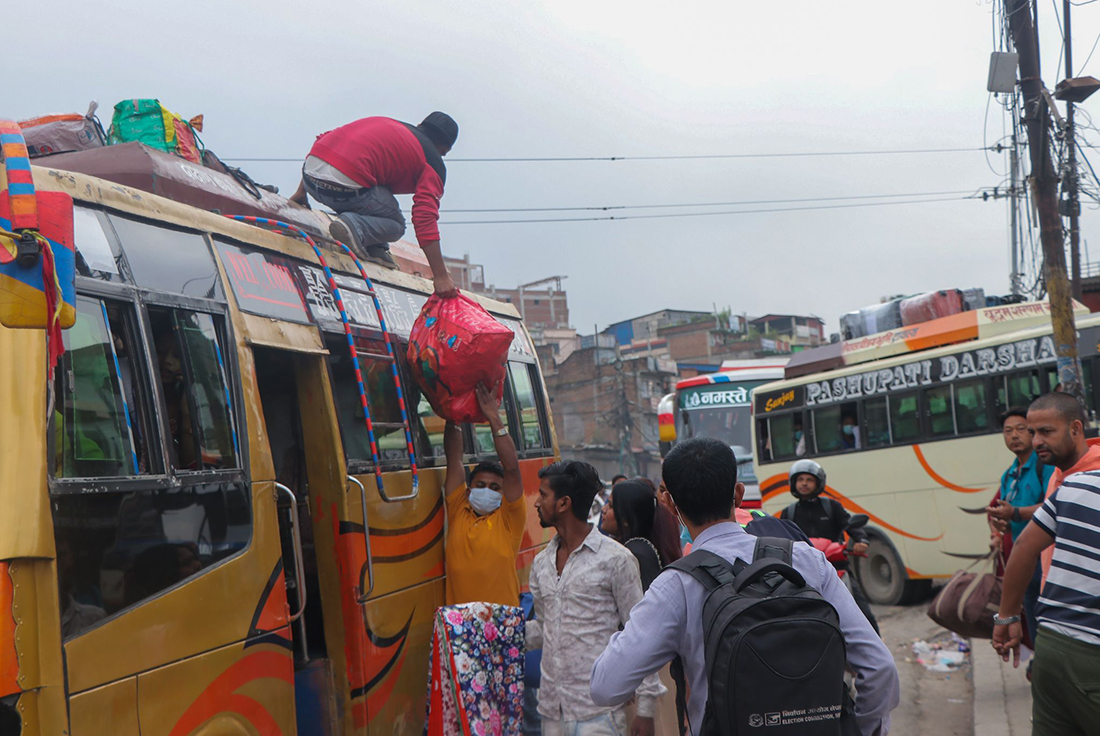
(37, 250)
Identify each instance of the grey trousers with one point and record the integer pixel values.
(373, 214)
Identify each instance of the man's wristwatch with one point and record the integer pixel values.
(502, 432)
(1016, 514)
(998, 621)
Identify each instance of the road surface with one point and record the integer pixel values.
(933, 703)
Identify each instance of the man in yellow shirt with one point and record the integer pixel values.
(486, 519)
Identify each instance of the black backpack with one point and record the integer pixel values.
(775, 654)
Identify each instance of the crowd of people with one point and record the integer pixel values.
(620, 632)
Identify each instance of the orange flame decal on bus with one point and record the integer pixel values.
(221, 695)
(939, 478)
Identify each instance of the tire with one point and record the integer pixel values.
(881, 573)
(916, 591)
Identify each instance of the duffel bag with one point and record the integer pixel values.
(967, 603)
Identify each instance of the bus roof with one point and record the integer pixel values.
(90, 190)
(1089, 320)
(964, 327)
(765, 369)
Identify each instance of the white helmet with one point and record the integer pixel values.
(807, 466)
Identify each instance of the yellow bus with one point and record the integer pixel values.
(926, 453)
(192, 540)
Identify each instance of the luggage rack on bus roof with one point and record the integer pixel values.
(389, 356)
(955, 328)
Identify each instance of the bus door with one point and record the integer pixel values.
(309, 483)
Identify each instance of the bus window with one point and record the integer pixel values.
(970, 407)
(427, 425)
(1050, 376)
(878, 422)
(941, 415)
(196, 397)
(763, 440)
(836, 428)
(785, 434)
(528, 405)
(98, 430)
(169, 260)
(1018, 390)
(115, 549)
(385, 412)
(96, 257)
(904, 418)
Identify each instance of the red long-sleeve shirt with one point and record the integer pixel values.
(384, 151)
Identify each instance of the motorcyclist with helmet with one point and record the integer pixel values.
(820, 516)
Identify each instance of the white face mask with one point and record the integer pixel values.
(485, 500)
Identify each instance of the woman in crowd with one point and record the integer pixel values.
(646, 527)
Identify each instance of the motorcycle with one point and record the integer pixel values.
(838, 554)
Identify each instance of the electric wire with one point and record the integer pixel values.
(609, 208)
(666, 215)
(677, 157)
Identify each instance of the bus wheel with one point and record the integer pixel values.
(881, 573)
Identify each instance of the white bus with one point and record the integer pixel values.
(719, 405)
(926, 453)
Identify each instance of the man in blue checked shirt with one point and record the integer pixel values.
(701, 475)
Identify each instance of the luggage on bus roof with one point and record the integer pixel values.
(141, 167)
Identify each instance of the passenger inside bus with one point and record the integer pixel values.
(175, 396)
(836, 428)
(160, 567)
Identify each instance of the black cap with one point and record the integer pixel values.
(441, 128)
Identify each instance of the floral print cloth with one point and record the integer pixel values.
(476, 671)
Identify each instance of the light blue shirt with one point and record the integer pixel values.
(668, 621)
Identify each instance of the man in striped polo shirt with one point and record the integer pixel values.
(1065, 681)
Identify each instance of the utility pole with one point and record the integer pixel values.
(1014, 209)
(1045, 187)
(1073, 203)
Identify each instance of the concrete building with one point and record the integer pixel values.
(718, 337)
(605, 407)
(640, 329)
(800, 331)
(543, 304)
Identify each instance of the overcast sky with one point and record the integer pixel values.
(584, 78)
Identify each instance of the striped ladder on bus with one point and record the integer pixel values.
(278, 225)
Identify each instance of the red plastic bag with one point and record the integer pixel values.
(454, 345)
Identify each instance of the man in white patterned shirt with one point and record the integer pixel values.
(584, 585)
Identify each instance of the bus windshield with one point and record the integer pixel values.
(720, 411)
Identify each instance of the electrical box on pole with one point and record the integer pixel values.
(1002, 72)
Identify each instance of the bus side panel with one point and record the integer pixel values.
(26, 524)
(245, 688)
(111, 709)
(213, 610)
(38, 646)
(535, 537)
(406, 536)
(399, 632)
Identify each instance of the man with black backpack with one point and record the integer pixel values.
(765, 628)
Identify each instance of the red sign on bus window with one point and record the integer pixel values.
(264, 283)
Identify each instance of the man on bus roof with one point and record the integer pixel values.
(357, 168)
(486, 516)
